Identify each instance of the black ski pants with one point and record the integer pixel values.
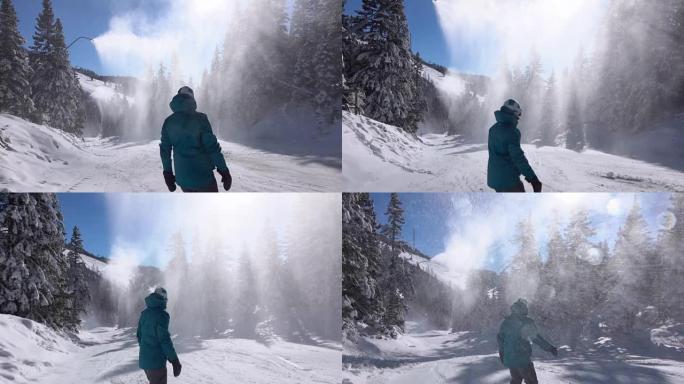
(520, 188)
(210, 188)
(156, 376)
(525, 373)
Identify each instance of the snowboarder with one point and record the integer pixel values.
(515, 350)
(154, 339)
(507, 160)
(196, 151)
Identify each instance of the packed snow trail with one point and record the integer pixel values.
(382, 158)
(441, 357)
(35, 158)
(31, 352)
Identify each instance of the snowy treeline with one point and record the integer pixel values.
(268, 64)
(38, 280)
(378, 286)
(584, 290)
(631, 82)
(581, 291)
(38, 83)
(382, 78)
(286, 288)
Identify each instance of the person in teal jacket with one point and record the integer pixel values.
(196, 152)
(507, 160)
(156, 347)
(515, 350)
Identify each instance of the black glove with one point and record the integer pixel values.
(554, 351)
(176, 367)
(536, 185)
(501, 356)
(170, 180)
(227, 179)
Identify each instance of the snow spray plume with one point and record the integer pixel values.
(485, 233)
(516, 41)
(244, 267)
(220, 48)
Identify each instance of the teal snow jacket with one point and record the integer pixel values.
(153, 335)
(196, 151)
(514, 338)
(507, 160)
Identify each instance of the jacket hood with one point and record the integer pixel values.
(154, 300)
(183, 103)
(506, 118)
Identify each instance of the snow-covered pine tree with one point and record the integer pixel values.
(548, 125)
(76, 279)
(575, 138)
(15, 89)
(627, 286)
(55, 89)
(361, 301)
(671, 249)
(178, 284)
(523, 273)
(246, 300)
(386, 68)
(326, 63)
(395, 220)
(32, 263)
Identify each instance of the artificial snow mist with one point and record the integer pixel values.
(597, 271)
(250, 280)
(600, 84)
(267, 75)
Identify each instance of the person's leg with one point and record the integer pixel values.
(207, 189)
(516, 378)
(520, 188)
(156, 376)
(529, 374)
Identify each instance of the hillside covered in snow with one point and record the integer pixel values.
(33, 353)
(39, 158)
(383, 158)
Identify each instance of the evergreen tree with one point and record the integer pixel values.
(55, 89)
(362, 301)
(574, 134)
(77, 276)
(246, 300)
(671, 248)
(549, 116)
(395, 220)
(523, 272)
(33, 267)
(15, 90)
(627, 284)
(386, 70)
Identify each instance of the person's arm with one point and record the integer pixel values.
(499, 340)
(518, 156)
(165, 149)
(164, 338)
(212, 146)
(137, 332)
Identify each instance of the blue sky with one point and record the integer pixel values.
(485, 224)
(481, 36)
(89, 212)
(426, 35)
(92, 18)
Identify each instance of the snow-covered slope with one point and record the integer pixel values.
(28, 348)
(33, 353)
(382, 158)
(36, 158)
(436, 356)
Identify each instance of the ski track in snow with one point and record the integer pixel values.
(441, 357)
(110, 356)
(36, 158)
(381, 158)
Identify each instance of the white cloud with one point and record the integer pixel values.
(191, 29)
(507, 30)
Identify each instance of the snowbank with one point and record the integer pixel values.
(36, 158)
(382, 158)
(28, 348)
